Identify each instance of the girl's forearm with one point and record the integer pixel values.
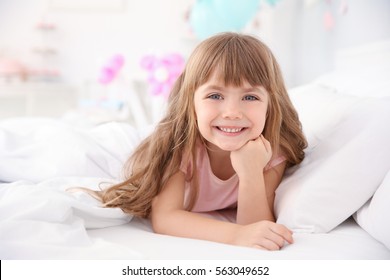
(253, 205)
(182, 223)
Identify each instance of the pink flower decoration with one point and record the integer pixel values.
(111, 69)
(162, 72)
(328, 20)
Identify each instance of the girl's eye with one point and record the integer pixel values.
(251, 97)
(215, 96)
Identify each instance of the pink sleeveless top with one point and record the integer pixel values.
(214, 193)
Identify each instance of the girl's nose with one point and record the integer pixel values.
(231, 110)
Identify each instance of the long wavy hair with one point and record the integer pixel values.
(236, 58)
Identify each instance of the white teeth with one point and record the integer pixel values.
(230, 130)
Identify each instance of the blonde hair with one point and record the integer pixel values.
(236, 58)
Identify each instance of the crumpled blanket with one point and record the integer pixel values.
(44, 220)
(36, 149)
(39, 160)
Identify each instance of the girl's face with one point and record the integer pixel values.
(229, 117)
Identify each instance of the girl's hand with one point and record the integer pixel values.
(251, 158)
(263, 235)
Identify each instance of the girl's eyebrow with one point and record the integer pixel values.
(213, 87)
(254, 89)
(244, 90)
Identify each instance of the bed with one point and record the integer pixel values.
(336, 201)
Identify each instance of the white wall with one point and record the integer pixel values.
(305, 48)
(85, 39)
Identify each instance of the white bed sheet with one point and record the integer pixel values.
(347, 241)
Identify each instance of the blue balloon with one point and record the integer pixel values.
(235, 14)
(208, 17)
(203, 19)
(272, 2)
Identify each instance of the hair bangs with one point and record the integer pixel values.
(233, 59)
(241, 61)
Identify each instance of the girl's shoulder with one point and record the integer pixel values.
(274, 161)
(186, 165)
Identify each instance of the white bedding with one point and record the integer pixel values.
(347, 241)
(43, 221)
(40, 220)
(41, 158)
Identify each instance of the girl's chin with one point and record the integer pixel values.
(229, 147)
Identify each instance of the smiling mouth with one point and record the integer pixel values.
(231, 129)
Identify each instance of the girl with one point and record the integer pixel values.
(229, 133)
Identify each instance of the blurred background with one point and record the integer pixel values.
(93, 61)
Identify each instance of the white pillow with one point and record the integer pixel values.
(347, 159)
(374, 216)
(320, 109)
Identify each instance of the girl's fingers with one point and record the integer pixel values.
(272, 243)
(266, 143)
(276, 238)
(268, 244)
(283, 232)
(259, 247)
